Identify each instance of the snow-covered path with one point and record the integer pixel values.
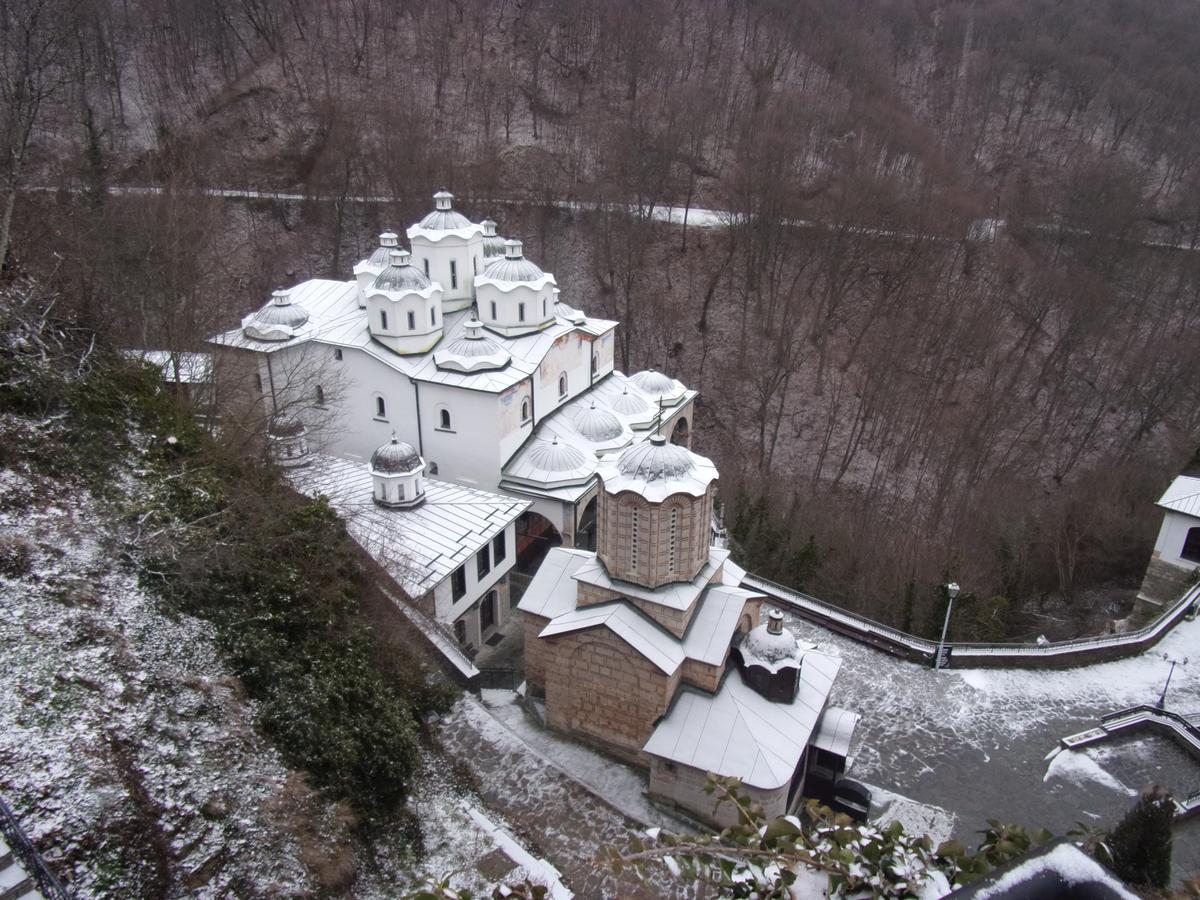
(976, 741)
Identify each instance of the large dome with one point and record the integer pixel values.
(513, 266)
(653, 382)
(551, 456)
(401, 275)
(655, 459)
(396, 458)
(598, 425)
(444, 218)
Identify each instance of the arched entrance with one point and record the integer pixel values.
(682, 434)
(536, 535)
(585, 532)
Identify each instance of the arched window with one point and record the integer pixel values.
(1191, 546)
(433, 468)
(444, 419)
(412, 320)
(320, 396)
(383, 319)
(380, 408)
(562, 385)
(525, 410)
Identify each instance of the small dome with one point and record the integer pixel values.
(472, 354)
(513, 266)
(401, 275)
(444, 218)
(282, 311)
(770, 643)
(630, 404)
(551, 456)
(382, 255)
(653, 382)
(598, 425)
(396, 458)
(493, 244)
(655, 459)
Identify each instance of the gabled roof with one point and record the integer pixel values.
(711, 629)
(674, 595)
(836, 730)
(1183, 496)
(552, 591)
(421, 546)
(739, 733)
(636, 629)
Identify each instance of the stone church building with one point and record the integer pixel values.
(649, 649)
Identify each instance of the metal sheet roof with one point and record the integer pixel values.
(1183, 496)
(674, 595)
(335, 318)
(836, 730)
(737, 732)
(636, 629)
(711, 629)
(418, 547)
(552, 591)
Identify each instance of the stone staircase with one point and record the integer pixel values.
(15, 882)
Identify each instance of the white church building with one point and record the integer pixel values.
(464, 350)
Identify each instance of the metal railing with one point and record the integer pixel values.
(499, 679)
(901, 643)
(28, 857)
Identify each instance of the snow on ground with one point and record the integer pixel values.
(917, 818)
(125, 751)
(1072, 765)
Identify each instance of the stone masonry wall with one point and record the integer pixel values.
(684, 786)
(535, 651)
(600, 688)
(654, 543)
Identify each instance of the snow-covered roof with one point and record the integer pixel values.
(193, 368)
(335, 318)
(656, 470)
(836, 730)
(707, 637)
(418, 547)
(552, 591)
(673, 595)
(1183, 496)
(639, 631)
(739, 733)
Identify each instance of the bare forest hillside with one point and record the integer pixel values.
(943, 326)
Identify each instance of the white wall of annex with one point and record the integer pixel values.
(571, 353)
(467, 452)
(446, 608)
(1171, 537)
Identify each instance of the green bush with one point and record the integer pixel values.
(1140, 845)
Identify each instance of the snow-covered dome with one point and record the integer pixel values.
(443, 217)
(552, 456)
(396, 458)
(655, 459)
(401, 274)
(287, 438)
(630, 404)
(653, 382)
(513, 266)
(598, 425)
(493, 244)
(279, 320)
(388, 241)
(770, 644)
(473, 352)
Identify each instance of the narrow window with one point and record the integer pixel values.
(633, 543)
(499, 548)
(460, 631)
(444, 419)
(487, 611)
(543, 308)
(453, 275)
(399, 492)
(493, 310)
(483, 562)
(258, 382)
(595, 363)
(475, 264)
(1191, 546)
(426, 268)
(320, 396)
(674, 532)
(432, 316)
(383, 319)
(380, 408)
(458, 583)
(562, 385)
(412, 320)
(525, 410)
(520, 312)
(337, 354)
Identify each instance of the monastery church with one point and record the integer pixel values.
(469, 425)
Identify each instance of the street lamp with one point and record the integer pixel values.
(951, 592)
(1162, 698)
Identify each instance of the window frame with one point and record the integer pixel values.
(483, 562)
(380, 408)
(458, 584)
(500, 547)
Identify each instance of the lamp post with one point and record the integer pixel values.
(951, 592)
(1162, 698)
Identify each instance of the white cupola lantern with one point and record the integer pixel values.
(397, 475)
(448, 248)
(493, 244)
(513, 295)
(368, 270)
(288, 441)
(404, 308)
